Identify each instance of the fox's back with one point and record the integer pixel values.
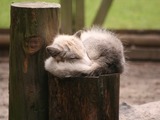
(98, 41)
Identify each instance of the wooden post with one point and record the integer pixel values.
(79, 15)
(33, 26)
(84, 98)
(102, 12)
(66, 16)
(72, 16)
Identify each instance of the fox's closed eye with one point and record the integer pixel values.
(53, 51)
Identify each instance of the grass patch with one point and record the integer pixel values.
(124, 14)
(134, 14)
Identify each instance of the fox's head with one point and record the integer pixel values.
(67, 47)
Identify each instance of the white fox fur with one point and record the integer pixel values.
(89, 52)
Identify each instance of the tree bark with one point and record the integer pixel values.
(33, 26)
(84, 98)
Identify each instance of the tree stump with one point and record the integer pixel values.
(84, 98)
(33, 26)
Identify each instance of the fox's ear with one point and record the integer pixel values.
(53, 51)
(78, 33)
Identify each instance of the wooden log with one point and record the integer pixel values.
(33, 26)
(84, 98)
(4, 40)
(143, 53)
(143, 40)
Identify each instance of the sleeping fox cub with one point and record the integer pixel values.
(90, 52)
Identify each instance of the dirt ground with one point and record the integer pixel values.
(4, 73)
(140, 83)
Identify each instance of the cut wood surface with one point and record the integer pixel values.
(33, 26)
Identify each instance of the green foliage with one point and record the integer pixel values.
(124, 14)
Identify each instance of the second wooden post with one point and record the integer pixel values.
(84, 98)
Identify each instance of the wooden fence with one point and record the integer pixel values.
(74, 11)
(72, 19)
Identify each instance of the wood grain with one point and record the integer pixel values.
(32, 29)
(87, 98)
